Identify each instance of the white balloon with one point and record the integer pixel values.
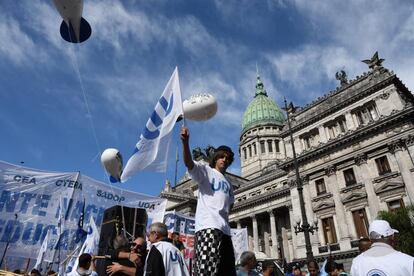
(111, 159)
(200, 107)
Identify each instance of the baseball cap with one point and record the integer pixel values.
(380, 229)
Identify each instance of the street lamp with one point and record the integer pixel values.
(301, 228)
(305, 227)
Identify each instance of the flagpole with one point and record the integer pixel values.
(182, 106)
(176, 166)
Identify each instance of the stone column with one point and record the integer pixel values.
(255, 234)
(322, 134)
(273, 234)
(398, 149)
(365, 172)
(349, 121)
(286, 245)
(339, 207)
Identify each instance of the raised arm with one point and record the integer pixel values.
(185, 137)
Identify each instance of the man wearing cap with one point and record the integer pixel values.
(382, 259)
(214, 253)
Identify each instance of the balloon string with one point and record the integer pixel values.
(75, 65)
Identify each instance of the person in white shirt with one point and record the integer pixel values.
(214, 253)
(86, 266)
(382, 259)
(163, 259)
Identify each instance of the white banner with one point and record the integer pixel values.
(34, 196)
(239, 237)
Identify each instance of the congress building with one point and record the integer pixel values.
(355, 157)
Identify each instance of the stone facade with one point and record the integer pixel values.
(355, 150)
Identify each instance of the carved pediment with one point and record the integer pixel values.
(388, 186)
(323, 205)
(353, 197)
(322, 197)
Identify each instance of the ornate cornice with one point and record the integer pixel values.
(360, 159)
(178, 196)
(356, 186)
(260, 180)
(330, 170)
(353, 94)
(254, 201)
(386, 177)
(321, 197)
(352, 137)
(397, 145)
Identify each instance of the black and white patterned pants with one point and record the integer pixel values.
(214, 255)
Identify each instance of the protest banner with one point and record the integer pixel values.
(35, 197)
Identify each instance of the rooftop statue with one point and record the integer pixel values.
(375, 62)
(341, 76)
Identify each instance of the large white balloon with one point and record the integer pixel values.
(200, 107)
(111, 159)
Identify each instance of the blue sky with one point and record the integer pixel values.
(298, 46)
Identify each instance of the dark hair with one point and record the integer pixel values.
(219, 152)
(35, 271)
(267, 264)
(85, 260)
(340, 266)
(313, 264)
(331, 266)
(51, 272)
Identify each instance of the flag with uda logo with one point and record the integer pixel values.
(151, 151)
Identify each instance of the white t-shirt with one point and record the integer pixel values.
(172, 258)
(215, 196)
(393, 263)
(78, 273)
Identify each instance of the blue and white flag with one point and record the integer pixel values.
(151, 151)
(90, 246)
(42, 251)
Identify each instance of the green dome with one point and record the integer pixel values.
(262, 110)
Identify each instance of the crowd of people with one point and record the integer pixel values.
(214, 255)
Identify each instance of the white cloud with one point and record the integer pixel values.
(19, 45)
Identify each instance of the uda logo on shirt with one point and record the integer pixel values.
(175, 257)
(220, 186)
(376, 272)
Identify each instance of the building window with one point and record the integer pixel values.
(366, 113)
(262, 147)
(310, 139)
(336, 127)
(395, 204)
(361, 223)
(349, 177)
(320, 186)
(244, 153)
(342, 125)
(254, 149)
(306, 142)
(277, 145)
(269, 145)
(382, 165)
(250, 150)
(372, 111)
(329, 230)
